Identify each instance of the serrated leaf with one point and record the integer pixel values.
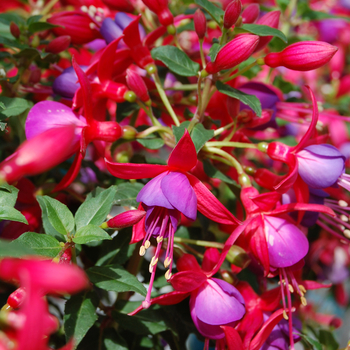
(176, 60)
(13, 249)
(90, 233)
(327, 339)
(80, 316)
(13, 106)
(212, 172)
(151, 143)
(213, 10)
(40, 244)
(315, 344)
(115, 278)
(214, 50)
(59, 215)
(249, 100)
(8, 195)
(262, 30)
(40, 26)
(12, 214)
(95, 209)
(127, 193)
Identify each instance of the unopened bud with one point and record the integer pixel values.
(128, 132)
(137, 85)
(272, 20)
(130, 96)
(250, 13)
(302, 56)
(35, 41)
(200, 24)
(126, 219)
(16, 298)
(59, 44)
(238, 256)
(14, 29)
(151, 68)
(232, 12)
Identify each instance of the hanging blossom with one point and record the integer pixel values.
(172, 191)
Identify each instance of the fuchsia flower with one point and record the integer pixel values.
(302, 56)
(161, 9)
(250, 13)
(200, 24)
(172, 191)
(232, 12)
(32, 324)
(235, 52)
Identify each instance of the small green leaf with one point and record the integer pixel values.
(213, 10)
(13, 249)
(12, 214)
(179, 130)
(13, 106)
(214, 50)
(249, 100)
(327, 339)
(8, 195)
(12, 43)
(314, 343)
(33, 19)
(262, 30)
(90, 233)
(212, 172)
(32, 54)
(95, 209)
(40, 26)
(115, 278)
(113, 341)
(40, 243)
(59, 215)
(80, 316)
(176, 60)
(127, 193)
(2, 105)
(151, 143)
(2, 126)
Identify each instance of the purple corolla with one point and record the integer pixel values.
(216, 303)
(320, 166)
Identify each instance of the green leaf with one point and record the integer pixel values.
(127, 193)
(9, 17)
(188, 26)
(212, 172)
(176, 60)
(95, 209)
(48, 228)
(199, 134)
(113, 341)
(32, 54)
(315, 344)
(13, 106)
(12, 214)
(2, 126)
(262, 30)
(8, 195)
(213, 10)
(115, 278)
(249, 100)
(214, 50)
(59, 215)
(151, 142)
(40, 243)
(33, 19)
(80, 316)
(90, 233)
(327, 338)
(13, 249)
(12, 43)
(40, 26)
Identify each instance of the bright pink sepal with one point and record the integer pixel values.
(287, 208)
(234, 341)
(187, 281)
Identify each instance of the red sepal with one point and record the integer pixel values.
(138, 230)
(187, 281)
(234, 341)
(287, 208)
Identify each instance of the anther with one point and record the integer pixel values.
(346, 233)
(290, 287)
(285, 316)
(84, 8)
(344, 218)
(147, 244)
(92, 25)
(302, 288)
(342, 203)
(168, 274)
(142, 251)
(303, 301)
(167, 262)
(154, 261)
(159, 239)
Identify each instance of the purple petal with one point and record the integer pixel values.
(180, 194)
(110, 30)
(229, 289)
(286, 243)
(216, 307)
(123, 20)
(152, 194)
(47, 115)
(320, 165)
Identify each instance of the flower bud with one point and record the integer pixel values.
(302, 56)
(16, 298)
(14, 29)
(272, 20)
(59, 44)
(232, 12)
(126, 219)
(250, 13)
(238, 256)
(200, 24)
(233, 53)
(76, 24)
(160, 8)
(137, 85)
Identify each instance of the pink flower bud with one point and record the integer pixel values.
(59, 44)
(272, 20)
(16, 298)
(126, 219)
(76, 24)
(137, 85)
(200, 23)
(15, 30)
(250, 13)
(302, 56)
(233, 53)
(160, 8)
(232, 12)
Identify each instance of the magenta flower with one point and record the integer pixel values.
(173, 191)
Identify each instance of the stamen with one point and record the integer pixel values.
(344, 218)
(347, 233)
(147, 244)
(84, 9)
(154, 261)
(302, 288)
(303, 301)
(285, 316)
(167, 261)
(92, 25)
(159, 239)
(142, 251)
(291, 289)
(342, 203)
(168, 274)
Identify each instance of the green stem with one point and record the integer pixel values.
(164, 98)
(223, 128)
(74, 254)
(149, 112)
(245, 69)
(151, 130)
(48, 7)
(199, 243)
(183, 87)
(223, 36)
(231, 144)
(202, 53)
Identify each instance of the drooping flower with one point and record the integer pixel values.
(172, 191)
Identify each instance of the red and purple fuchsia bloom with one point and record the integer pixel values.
(172, 191)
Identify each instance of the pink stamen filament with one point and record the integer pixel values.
(290, 319)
